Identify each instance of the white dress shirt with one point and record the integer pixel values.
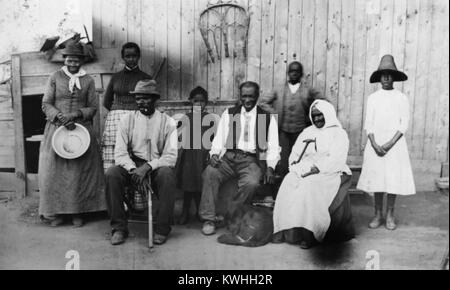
(273, 148)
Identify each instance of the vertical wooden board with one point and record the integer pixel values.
(214, 68)
(346, 63)
(295, 31)
(200, 51)
(333, 50)
(240, 51)
(97, 23)
(134, 21)
(20, 164)
(421, 89)
(254, 41)
(187, 47)
(120, 23)
(281, 42)
(108, 20)
(435, 143)
(373, 10)
(320, 45)
(267, 45)
(386, 33)
(410, 61)
(227, 63)
(307, 38)
(161, 38)
(174, 50)
(442, 128)
(356, 130)
(148, 38)
(399, 35)
(106, 78)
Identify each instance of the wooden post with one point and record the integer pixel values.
(20, 164)
(150, 194)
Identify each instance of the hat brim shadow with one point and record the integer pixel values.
(397, 76)
(146, 93)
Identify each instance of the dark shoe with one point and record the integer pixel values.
(77, 221)
(376, 221)
(209, 228)
(118, 238)
(390, 221)
(57, 222)
(278, 238)
(159, 239)
(305, 245)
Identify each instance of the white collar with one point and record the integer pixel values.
(251, 113)
(131, 68)
(294, 88)
(148, 117)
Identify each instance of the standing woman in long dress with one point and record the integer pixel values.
(69, 188)
(386, 167)
(118, 100)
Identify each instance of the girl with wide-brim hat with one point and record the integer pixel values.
(386, 167)
(70, 187)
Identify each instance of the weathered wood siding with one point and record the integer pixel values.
(339, 42)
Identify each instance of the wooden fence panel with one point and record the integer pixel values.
(339, 42)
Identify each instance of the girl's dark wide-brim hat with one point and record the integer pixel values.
(73, 50)
(387, 64)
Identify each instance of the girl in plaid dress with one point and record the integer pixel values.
(118, 100)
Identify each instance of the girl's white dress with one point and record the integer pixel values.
(387, 113)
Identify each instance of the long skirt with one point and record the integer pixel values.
(70, 186)
(109, 137)
(304, 203)
(341, 227)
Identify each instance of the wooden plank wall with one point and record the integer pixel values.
(339, 42)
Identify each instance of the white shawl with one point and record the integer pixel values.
(74, 78)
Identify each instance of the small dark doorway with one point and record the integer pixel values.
(33, 130)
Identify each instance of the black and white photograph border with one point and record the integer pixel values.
(120, 78)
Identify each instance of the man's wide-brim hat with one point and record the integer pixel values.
(387, 64)
(71, 144)
(146, 87)
(74, 50)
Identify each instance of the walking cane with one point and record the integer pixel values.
(149, 198)
(307, 141)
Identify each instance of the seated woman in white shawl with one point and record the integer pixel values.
(304, 197)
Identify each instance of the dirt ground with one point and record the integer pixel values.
(419, 242)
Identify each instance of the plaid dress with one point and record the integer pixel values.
(109, 137)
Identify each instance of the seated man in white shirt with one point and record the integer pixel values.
(145, 152)
(246, 147)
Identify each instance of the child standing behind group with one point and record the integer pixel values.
(386, 167)
(194, 153)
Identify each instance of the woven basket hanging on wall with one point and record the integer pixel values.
(224, 27)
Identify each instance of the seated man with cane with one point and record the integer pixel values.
(145, 155)
(304, 212)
